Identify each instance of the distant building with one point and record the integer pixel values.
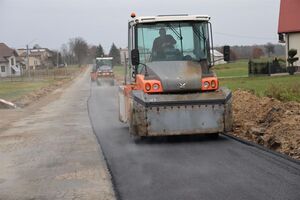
(10, 65)
(218, 57)
(123, 55)
(289, 25)
(38, 57)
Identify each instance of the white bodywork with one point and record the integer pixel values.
(122, 106)
(104, 58)
(164, 18)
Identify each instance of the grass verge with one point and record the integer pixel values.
(13, 90)
(284, 88)
(234, 69)
(119, 70)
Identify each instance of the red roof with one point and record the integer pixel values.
(289, 16)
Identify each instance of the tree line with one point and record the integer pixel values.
(255, 51)
(78, 52)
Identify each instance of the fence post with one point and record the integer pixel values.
(249, 68)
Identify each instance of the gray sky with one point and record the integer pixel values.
(50, 23)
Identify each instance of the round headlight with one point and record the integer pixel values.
(155, 86)
(206, 84)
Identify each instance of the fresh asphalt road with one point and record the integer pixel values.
(187, 167)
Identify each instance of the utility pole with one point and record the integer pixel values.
(27, 60)
(57, 59)
(27, 57)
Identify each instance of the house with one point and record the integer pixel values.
(9, 65)
(289, 25)
(37, 58)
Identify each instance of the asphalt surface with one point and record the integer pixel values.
(187, 167)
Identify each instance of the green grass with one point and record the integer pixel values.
(119, 71)
(13, 90)
(19, 86)
(284, 88)
(234, 69)
(238, 68)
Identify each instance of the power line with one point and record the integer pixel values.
(245, 36)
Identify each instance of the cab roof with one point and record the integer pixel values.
(165, 18)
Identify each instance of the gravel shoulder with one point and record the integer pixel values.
(52, 153)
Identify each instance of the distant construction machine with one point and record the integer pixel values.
(103, 70)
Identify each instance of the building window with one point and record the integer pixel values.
(12, 61)
(2, 68)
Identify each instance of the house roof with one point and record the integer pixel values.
(289, 16)
(5, 51)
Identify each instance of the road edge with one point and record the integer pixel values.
(250, 143)
(101, 151)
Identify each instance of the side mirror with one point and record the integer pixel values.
(135, 57)
(226, 53)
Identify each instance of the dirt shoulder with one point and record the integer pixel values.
(268, 122)
(34, 100)
(52, 153)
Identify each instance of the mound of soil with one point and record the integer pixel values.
(268, 122)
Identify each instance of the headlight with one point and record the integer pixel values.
(155, 86)
(206, 84)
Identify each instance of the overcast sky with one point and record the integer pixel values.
(50, 23)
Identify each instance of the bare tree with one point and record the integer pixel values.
(36, 46)
(91, 54)
(270, 48)
(257, 52)
(92, 51)
(79, 48)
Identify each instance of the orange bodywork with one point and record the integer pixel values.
(210, 83)
(148, 86)
(128, 89)
(93, 76)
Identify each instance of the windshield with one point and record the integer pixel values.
(172, 41)
(101, 62)
(104, 68)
